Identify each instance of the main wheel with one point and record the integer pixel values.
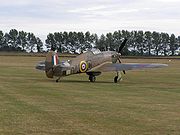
(115, 79)
(92, 78)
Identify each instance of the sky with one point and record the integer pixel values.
(97, 16)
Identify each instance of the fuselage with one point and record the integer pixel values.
(92, 60)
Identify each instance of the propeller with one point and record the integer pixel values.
(119, 51)
(122, 45)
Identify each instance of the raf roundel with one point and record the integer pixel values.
(83, 66)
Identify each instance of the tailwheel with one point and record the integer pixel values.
(117, 78)
(57, 80)
(92, 78)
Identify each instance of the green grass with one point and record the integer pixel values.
(145, 102)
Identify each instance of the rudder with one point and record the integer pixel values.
(52, 59)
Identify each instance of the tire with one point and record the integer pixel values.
(115, 79)
(92, 78)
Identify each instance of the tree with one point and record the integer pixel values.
(173, 45)
(140, 42)
(165, 43)
(39, 45)
(109, 41)
(32, 42)
(65, 42)
(148, 42)
(88, 40)
(95, 39)
(81, 41)
(133, 43)
(22, 40)
(72, 42)
(117, 40)
(156, 42)
(13, 35)
(1, 39)
(179, 44)
(101, 44)
(50, 42)
(6, 44)
(58, 36)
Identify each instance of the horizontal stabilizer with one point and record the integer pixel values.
(41, 66)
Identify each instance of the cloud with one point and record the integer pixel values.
(168, 1)
(80, 10)
(98, 16)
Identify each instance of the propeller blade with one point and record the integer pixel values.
(120, 49)
(122, 45)
(120, 62)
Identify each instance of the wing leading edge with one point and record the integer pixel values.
(106, 67)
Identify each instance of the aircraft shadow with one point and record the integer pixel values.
(82, 81)
(70, 81)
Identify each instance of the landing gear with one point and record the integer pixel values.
(117, 78)
(57, 80)
(92, 78)
(92, 75)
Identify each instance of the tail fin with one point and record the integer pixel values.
(52, 59)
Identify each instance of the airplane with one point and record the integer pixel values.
(92, 62)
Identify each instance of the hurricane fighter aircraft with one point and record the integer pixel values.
(93, 63)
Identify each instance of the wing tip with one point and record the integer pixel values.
(163, 65)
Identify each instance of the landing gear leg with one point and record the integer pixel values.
(117, 78)
(57, 80)
(92, 78)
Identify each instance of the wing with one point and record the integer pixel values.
(106, 67)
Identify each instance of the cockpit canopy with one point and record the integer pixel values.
(95, 51)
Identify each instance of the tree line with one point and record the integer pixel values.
(20, 41)
(139, 42)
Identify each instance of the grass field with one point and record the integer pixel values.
(145, 102)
